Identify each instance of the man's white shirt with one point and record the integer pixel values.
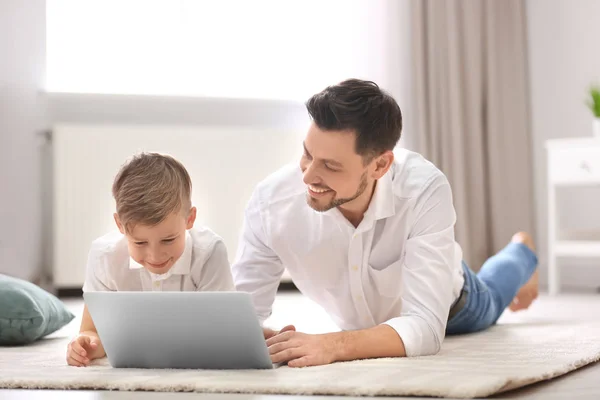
(401, 266)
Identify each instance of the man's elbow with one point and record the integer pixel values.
(435, 344)
(429, 339)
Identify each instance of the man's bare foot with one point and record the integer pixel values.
(528, 292)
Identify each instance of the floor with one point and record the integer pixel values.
(308, 317)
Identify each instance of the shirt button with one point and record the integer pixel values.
(157, 284)
(359, 298)
(355, 268)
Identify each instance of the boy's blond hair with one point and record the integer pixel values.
(149, 187)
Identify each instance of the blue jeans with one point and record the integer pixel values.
(493, 288)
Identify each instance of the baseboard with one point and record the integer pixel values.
(65, 293)
(287, 286)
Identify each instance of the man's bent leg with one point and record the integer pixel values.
(489, 292)
(508, 271)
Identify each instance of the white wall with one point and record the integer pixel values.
(22, 53)
(564, 58)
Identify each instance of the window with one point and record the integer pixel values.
(275, 49)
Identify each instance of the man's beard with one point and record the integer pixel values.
(338, 202)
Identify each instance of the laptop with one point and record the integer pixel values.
(199, 330)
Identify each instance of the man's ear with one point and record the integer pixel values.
(119, 224)
(383, 162)
(191, 218)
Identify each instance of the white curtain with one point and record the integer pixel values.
(472, 118)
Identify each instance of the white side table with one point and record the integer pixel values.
(571, 162)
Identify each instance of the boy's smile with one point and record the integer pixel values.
(159, 266)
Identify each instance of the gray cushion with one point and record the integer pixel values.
(28, 312)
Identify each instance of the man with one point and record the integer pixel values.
(370, 237)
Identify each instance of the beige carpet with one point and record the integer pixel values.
(505, 357)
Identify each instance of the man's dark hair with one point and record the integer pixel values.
(362, 107)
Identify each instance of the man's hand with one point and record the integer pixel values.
(83, 349)
(303, 350)
(269, 333)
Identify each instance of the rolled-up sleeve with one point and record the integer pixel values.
(427, 279)
(257, 269)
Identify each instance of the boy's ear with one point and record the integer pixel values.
(119, 224)
(191, 218)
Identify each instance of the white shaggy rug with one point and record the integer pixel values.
(505, 357)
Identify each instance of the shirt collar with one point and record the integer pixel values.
(381, 205)
(182, 266)
(382, 202)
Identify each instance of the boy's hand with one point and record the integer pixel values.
(83, 349)
(269, 333)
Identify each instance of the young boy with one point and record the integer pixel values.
(156, 247)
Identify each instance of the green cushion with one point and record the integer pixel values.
(28, 312)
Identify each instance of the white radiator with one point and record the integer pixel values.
(225, 164)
